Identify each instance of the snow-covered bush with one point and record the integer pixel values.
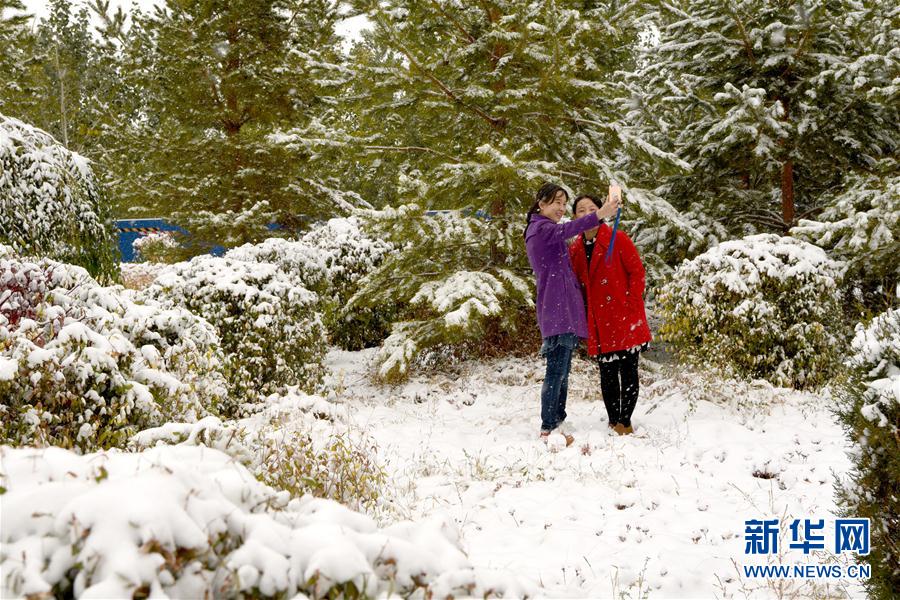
(85, 366)
(297, 259)
(298, 443)
(870, 411)
(50, 203)
(458, 284)
(765, 305)
(270, 330)
(190, 522)
(330, 260)
(861, 226)
(158, 247)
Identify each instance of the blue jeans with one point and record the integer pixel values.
(558, 349)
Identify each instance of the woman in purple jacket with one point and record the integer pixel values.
(560, 306)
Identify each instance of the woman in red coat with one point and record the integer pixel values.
(617, 322)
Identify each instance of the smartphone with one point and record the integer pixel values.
(615, 192)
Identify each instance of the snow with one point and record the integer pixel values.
(101, 359)
(473, 502)
(183, 521)
(660, 512)
(8, 369)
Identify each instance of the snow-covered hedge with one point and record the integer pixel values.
(330, 260)
(270, 330)
(861, 226)
(870, 412)
(768, 306)
(297, 442)
(85, 366)
(190, 522)
(50, 203)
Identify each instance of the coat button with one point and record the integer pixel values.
(608, 298)
(602, 282)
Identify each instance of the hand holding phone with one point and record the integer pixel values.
(613, 202)
(615, 191)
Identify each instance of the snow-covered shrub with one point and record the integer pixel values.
(190, 522)
(297, 259)
(765, 305)
(330, 260)
(861, 226)
(158, 247)
(85, 366)
(459, 285)
(297, 443)
(50, 203)
(870, 411)
(270, 330)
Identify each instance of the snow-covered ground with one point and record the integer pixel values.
(658, 514)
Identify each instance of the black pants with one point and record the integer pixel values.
(619, 384)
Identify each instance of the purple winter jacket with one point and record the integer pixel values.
(560, 306)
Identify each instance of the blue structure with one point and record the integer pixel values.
(130, 230)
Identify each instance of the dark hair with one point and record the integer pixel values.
(593, 199)
(546, 194)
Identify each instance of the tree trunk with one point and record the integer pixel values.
(498, 208)
(787, 180)
(787, 194)
(64, 122)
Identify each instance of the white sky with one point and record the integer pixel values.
(349, 29)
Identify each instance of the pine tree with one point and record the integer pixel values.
(16, 47)
(217, 82)
(481, 102)
(860, 225)
(474, 105)
(61, 79)
(771, 102)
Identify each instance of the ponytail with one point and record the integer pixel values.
(535, 209)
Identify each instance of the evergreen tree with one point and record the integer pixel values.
(16, 47)
(61, 78)
(868, 408)
(474, 105)
(861, 226)
(481, 102)
(217, 82)
(770, 101)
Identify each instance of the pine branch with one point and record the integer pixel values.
(748, 47)
(468, 36)
(413, 149)
(496, 123)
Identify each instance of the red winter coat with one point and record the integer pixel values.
(614, 292)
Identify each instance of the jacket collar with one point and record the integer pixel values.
(604, 234)
(601, 243)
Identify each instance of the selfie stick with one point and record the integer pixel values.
(612, 240)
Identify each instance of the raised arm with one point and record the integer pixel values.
(573, 228)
